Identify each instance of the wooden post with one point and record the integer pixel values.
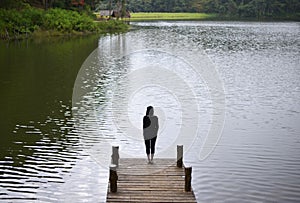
(179, 156)
(113, 177)
(188, 179)
(115, 155)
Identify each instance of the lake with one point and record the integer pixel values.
(228, 91)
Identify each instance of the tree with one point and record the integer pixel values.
(8, 4)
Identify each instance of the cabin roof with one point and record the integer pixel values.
(106, 12)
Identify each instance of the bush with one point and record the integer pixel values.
(112, 26)
(14, 23)
(17, 23)
(67, 21)
(56, 19)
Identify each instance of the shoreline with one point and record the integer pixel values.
(33, 22)
(93, 26)
(158, 16)
(55, 33)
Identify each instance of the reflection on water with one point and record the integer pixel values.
(38, 144)
(142, 78)
(45, 157)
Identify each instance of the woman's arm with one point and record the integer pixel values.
(156, 123)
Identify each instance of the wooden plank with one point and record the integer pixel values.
(142, 182)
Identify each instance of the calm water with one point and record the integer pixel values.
(63, 104)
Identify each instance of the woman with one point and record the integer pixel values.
(150, 128)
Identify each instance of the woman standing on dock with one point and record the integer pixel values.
(150, 129)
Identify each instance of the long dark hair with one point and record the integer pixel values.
(146, 119)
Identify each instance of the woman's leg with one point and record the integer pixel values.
(147, 144)
(153, 140)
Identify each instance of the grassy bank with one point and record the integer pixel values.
(143, 16)
(16, 24)
(155, 16)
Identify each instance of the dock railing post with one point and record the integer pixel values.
(113, 177)
(179, 156)
(115, 155)
(188, 179)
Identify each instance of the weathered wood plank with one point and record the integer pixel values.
(162, 181)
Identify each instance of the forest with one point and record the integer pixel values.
(256, 9)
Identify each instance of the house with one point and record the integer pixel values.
(104, 14)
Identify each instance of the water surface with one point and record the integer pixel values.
(52, 150)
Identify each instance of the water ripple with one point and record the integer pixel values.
(256, 159)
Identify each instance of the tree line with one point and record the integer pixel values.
(258, 9)
(227, 8)
(253, 8)
(46, 4)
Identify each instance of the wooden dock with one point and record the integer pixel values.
(139, 181)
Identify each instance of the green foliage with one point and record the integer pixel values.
(14, 22)
(19, 23)
(67, 21)
(61, 4)
(12, 4)
(259, 9)
(112, 26)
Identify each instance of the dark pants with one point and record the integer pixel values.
(150, 144)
